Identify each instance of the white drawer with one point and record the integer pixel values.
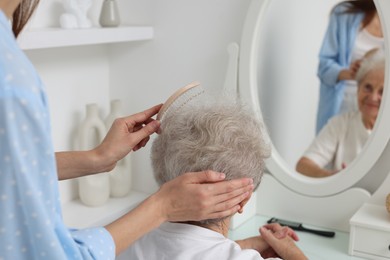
(371, 241)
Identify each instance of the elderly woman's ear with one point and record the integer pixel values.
(242, 203)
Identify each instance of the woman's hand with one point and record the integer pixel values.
(350, 73)
(354, 67)
(127, 134)
(202, 195)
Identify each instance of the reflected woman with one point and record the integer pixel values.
(354, 28)
(344, 136)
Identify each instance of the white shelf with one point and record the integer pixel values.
(77, 215)
(57, 37)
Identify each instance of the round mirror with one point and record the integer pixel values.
(278, 66)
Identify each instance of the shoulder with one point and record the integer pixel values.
(346, 116)
(342, 121)
(341, 8)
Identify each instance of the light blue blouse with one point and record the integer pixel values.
(335, 55)
(31, 224)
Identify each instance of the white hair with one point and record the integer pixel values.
(373, 59)
(223, 137)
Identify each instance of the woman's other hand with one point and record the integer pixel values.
(202, 195)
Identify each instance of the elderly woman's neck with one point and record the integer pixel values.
(221, 227)
(369, 122)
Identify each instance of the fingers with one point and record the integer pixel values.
(143, 117)
(221, 198)
(140, 132)
(267, 236)
(238, 194)
(204, 177)
(284, 247)
(141, 137)
(293, 235)
(228, 188)
(281, 231)
(230, 200)
(141, 144)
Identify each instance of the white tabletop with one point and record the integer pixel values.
(314, 246)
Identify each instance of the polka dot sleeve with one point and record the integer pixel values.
(95, 242)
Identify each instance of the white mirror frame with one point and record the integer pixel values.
(248, 91)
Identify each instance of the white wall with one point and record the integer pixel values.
(190, 44)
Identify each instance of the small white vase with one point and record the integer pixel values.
(120, 176)
(109, 15)
(94, 190)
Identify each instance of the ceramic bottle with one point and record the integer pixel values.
(109, 15)
(120, 176)
(94, 190)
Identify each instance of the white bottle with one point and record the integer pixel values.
(120, 176)
(94, 190)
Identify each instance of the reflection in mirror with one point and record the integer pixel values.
(344, 136)
(277, 77)
(287, 72)
(354, 29)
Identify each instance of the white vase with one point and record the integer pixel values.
(94, 190)
(120, 176)
(109, 15)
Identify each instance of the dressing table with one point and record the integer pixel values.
(351, 202)
(315, 247)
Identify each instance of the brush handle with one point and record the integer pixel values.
(299, 227)
(314, 231)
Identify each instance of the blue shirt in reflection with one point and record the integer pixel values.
(335, 55)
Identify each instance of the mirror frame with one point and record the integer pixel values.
(248, 92)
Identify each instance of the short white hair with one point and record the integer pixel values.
(223, 136)
(373, 59)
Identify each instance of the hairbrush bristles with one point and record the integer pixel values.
(180, 98)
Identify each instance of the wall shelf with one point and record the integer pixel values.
(57, 37)
(77, 215)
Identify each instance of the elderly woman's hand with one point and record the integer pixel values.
(281, 231)
(281, 244)
(259, 244)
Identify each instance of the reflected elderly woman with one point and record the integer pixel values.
(220, 136)
(344, 136)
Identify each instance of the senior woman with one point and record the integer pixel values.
(344, 136)
(221, 136)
